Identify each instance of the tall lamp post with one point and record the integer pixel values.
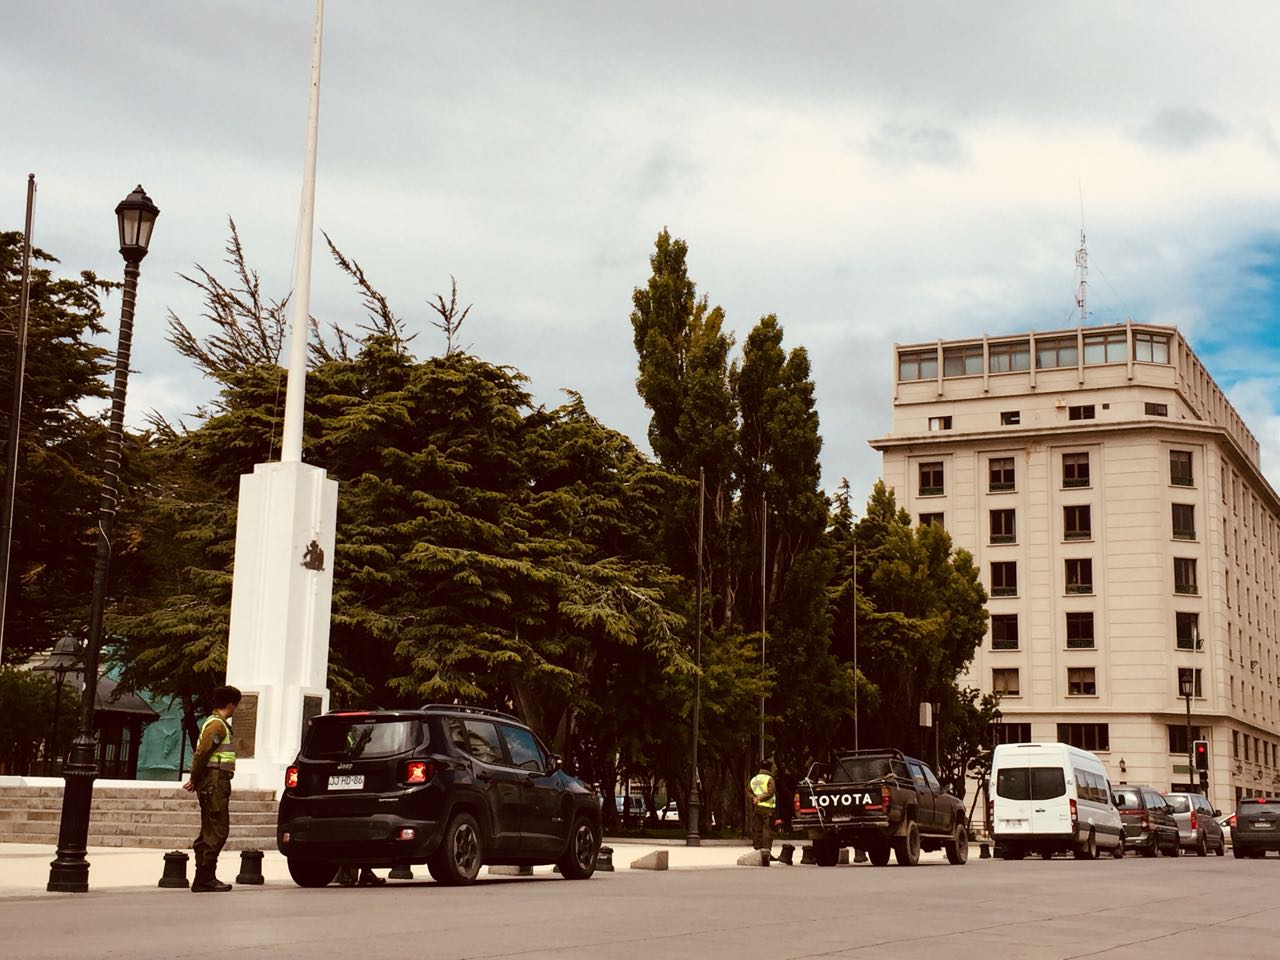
(64, 659)
(69, 873)
(1186, 686)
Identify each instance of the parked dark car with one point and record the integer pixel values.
(1149, 826)
(1257, 827)
(1198, 827)
(448, 786)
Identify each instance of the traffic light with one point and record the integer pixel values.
(1204, 782)
(1201, 751)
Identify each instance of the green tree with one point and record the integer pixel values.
(27, 717)
(58, 458)
(921, 617)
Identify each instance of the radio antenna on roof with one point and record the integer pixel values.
(1082, 265)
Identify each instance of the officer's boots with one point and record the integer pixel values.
(206, 880)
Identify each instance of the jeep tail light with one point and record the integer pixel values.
(1075, 813)
(1195, 825)
(419, 771)
(291, 778)
(796, 804)
(885, 794)
(407, 833)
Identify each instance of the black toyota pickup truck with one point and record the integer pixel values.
(877, 801)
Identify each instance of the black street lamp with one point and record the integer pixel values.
(1186, 686)
(69, 873)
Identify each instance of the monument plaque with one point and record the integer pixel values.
(244, 726)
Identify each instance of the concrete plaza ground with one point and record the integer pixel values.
(702, 908)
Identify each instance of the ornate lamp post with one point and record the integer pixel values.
(69, 873)
(1186, 686)
(64, 659)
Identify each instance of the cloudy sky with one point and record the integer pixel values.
(870, 172)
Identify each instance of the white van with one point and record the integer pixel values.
(1049, 798)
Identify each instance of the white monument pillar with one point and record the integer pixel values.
(278, 649)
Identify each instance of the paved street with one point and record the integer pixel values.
(1130, 910)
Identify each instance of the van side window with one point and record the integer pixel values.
(918, 775)
(933, 781)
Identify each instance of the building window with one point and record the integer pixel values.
(1002, 526)
(939, 423)
(1194, 674)
(1110, 347)
(1010, 733)
(1077, 522)
(931, 479)
(1151, 347)
(932, 520)
(1004, 631)
(962, 361)
(1010, 418)
(1009, 357)
(1156, 409)
(1235, 744)
(1004, 680)
(918, 365)
(1083, 412)
(1085, 736)
(1180, 468)
(1080, 576)
(1000, 474)
(1184, 575)
(1075, 470)
(1081, 682)
(1188, 630)
(1178, 743)
(1056, 352)
(1184, 521)
(1080, 630)
(1004, 579)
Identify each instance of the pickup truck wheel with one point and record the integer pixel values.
(906, 848)
(1202, 846)
(826, 853)
(878, 854)
(1118, 850)
(958, 846)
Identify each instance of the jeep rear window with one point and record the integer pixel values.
(341, 738)
(1030, 783)
(1179, 804)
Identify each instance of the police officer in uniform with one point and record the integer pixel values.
(764, 802)
(212, 766)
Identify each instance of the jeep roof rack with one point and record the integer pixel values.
(467, 708)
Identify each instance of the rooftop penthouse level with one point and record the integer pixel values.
(1091, 367)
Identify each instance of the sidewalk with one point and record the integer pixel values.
(24, 867)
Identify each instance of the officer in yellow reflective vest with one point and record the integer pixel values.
(764, 802)
(213, 764)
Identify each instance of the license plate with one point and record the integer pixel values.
(1262, 824)
(347, 782)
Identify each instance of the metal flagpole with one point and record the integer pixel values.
(15, 410)
(300, 305)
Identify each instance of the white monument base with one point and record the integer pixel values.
(278, 649)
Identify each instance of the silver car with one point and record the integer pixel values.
(1198, 827)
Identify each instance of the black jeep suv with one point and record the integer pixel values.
(450, 786)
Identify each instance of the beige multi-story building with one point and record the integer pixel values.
(1112, 498)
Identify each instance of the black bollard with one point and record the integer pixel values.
(788, 852)
(400, 871)
(175, 870)
(250, 868)
(806, 855)
(604, 860)
(984, 851)
(859, 855)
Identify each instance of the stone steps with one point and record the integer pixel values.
(151, 817)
